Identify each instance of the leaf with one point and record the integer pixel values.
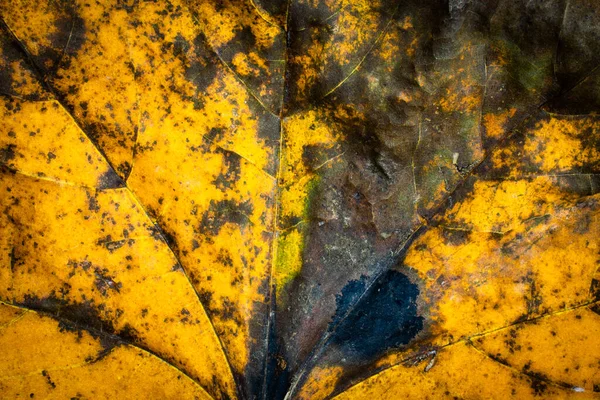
(305, 199)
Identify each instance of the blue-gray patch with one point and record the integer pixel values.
(384, 318)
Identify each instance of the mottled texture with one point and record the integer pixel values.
(303, 199)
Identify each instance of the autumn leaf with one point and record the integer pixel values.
(313, 199)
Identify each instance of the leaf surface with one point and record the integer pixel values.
(304, 199)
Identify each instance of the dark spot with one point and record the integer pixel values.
(69, 29)
(455, 237)
(539, 381)
(277, 8)
(92, 202)
(127, 5)
(180, 46)
(244, 38)
(348, 297)
(124, 169)
(85, 265)
(105, 282)
(110, 244)
(204, 295)
(227, 310)
(176, 267)
(158, 35)
(169, 238)
(129, 334)
(154, 230)
(538, 386)
(13, 259)
(533, 298)
(314, 156)
(78, 317)
(232, 166)
(499, 359)
(385, 318)
(202, 68)
(48, 379)
(215, 134)
(290, 220)
(110, 180)
(7, 153)
(224, 258)
(221, 212)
